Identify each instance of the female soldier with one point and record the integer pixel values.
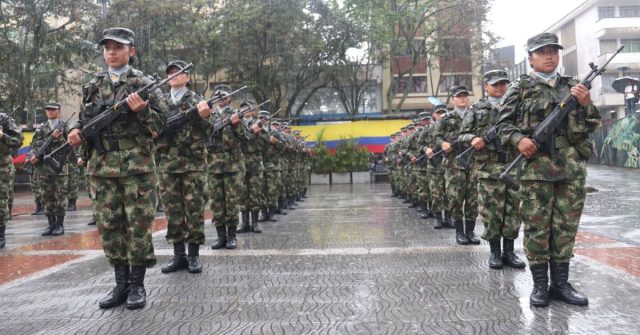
(553, 177)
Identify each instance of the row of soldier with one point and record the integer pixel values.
(453, 168)
(241, 161)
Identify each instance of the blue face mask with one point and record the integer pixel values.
(547, 77)
(177, 94)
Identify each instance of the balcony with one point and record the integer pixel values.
(609, 98)
(617, 27)
(630, 59)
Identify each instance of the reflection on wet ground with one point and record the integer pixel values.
(348, 260)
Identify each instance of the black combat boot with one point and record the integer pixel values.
(232, 243)
(137, 295)
(304, 193)
(2, 239)
(509, 258)
(222, 238)
(179, 260)
(471, 226)
(281, 207)
(194, 258)
(118, 295)
(59, 228)
(439, 222)
(272, 214)
(448, 221)
(254, 222)
(244, 223)
(461, 237)
(52, 225)
(299, 197)
(414, 202)
(39, 210)
(71, 205)
(160, 207)
(290, 203)
(560, 289)
(265, 214)
(539, 296)
(92, 222)
(406, 199)
(495, 260)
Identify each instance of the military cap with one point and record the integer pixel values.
(393, 135)
(422, 114)
(541, 40)
(459, 90)
(179, 64)
(120, 35)
(264, 114)
(275, 122)
(495, 76)
(403, 128)
(399, 133)
(427, 116)
(52, 105)
(440, 108)
(297, 132)
(411, 126)
(248, 103)
(222, 90)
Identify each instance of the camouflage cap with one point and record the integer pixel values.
(179, 64)
(296, 132)
(403, 128)
(248, 103)
(399, 133)
(263, 114)
(536, 42)
(457, 90)
(52, 105)
(427, 117)
(411, 126)
(222, 90)
(275, 122)
(495, 76)
(120, 35)
(440, 109)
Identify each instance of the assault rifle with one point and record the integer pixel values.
(439, 155)
(548, 127)
(217, 127)
(176, 121)
(39, 153)
(92, 129)
(464, 159)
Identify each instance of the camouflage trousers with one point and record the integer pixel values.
(254, 182)
(73, 183)
(412, 182)
(35, 186)
(6, 193)
(462, 193)
(227, 192)
(422, 186)
(551, 218)
(183, 200)
(125, 208)
(54, 194)
(270, 187)
(400, 180)
(437, 191)
(499, 207)
(288, 182)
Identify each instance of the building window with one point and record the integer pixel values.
(417, 84)
(629, 11)
(606, 12)
(570, 64)
(447, 81)
(607, 46)
(631, 45)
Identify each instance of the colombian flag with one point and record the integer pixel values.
(370, 134)
(22, 152)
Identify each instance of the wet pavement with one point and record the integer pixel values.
(348, 260)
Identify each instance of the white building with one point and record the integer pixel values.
(590, 33)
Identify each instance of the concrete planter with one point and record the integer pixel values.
(320, 179)
(361, 177)
(341, 178)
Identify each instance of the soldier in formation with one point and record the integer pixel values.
(10, 140)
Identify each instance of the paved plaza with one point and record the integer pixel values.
(348, 260)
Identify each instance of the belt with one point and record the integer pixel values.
(118, 144)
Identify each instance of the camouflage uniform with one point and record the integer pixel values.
(226, 174)
(181, 157)
(436, 177)
(10, 141)
(272, 173)
(121, 167)
(72, 182)
(52, 183)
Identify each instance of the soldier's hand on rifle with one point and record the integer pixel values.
(74, 137)
(582, 94)
(235, 119)
(477, 143)
(57, 133)
(203, 109)
(136, 103)
(80, 162)
(154, 134)
(446, 146)
(413, 159)
(429, 152)
(255, 128)
(273, 139)
(527, 148)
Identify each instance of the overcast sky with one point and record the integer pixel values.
(517, 20)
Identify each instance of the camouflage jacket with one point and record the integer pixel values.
(255, 147)
(183, 149)
(124, 147)
(415, 150)
(530, 100)
(272, 156)
(448, 130)
(430, 142)
(39, 138)
(225, 147)
(10, 142)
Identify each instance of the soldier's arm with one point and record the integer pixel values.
(507, 123)
(12, 135)
(467, 128)
(154, 116)
(439, 133)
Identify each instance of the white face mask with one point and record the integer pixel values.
(53, 123)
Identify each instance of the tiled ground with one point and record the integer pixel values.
(349, 260)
